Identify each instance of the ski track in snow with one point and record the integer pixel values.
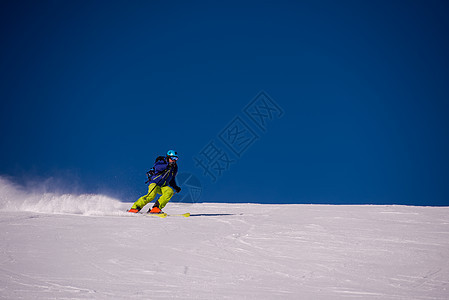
(86, 247)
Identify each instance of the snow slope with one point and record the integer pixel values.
(86, 247)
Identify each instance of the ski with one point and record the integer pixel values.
(164, 215)
(179, 215)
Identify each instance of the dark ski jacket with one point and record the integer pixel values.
(164, 174)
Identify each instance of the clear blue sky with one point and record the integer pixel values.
(92, 91)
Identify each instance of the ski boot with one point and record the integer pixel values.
(155, 209)
(134, 210)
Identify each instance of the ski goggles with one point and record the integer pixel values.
(175, 158)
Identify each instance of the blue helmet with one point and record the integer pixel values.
(172, 153)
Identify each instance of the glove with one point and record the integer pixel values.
(150, 173)
(177, 189)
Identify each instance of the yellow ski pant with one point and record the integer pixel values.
(153, 190)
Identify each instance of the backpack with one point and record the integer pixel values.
(152, 172)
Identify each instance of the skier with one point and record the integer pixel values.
(162, 181)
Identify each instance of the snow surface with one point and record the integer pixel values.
(85, 247)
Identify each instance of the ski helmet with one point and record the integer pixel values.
(172, 153)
